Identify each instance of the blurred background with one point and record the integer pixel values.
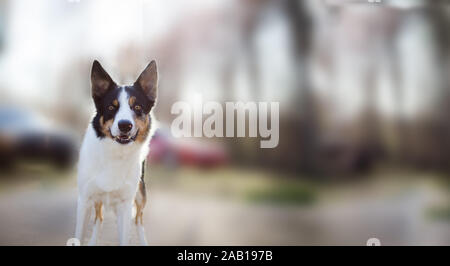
(364, 93)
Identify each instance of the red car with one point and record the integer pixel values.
(174, 152)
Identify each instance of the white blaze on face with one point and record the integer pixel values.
(124, 113)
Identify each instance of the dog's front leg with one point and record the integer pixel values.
(124, 221)
(97, 223)
(83, 216)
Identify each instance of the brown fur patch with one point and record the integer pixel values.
(98, 211)
(140, 200)
(105, 126)
(116, 103)
(143, 124)
(132, 100)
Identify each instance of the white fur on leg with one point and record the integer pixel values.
(95, 232)
(124, 221)
(83, 215)
(141, 234)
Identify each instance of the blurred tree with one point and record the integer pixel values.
(438, 15)
(300, 23)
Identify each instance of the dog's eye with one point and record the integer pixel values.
(110, 107)
(137, 107)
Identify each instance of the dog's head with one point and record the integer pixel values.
(123, 112)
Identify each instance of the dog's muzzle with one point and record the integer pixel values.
(125, 138)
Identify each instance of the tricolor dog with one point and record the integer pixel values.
(113, 152)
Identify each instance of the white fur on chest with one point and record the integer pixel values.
(109, 171)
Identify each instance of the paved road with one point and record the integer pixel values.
(45, 215)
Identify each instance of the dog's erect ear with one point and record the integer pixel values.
(148, 81)
(100, 80)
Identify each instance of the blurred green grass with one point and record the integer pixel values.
(248, 185)
(258, 186)
(282, 193)
(28, 174)
(441, 212)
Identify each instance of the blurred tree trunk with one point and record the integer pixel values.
(439, 17)
(246, 149)
(300, 24)
(389, 36)
(400, 153)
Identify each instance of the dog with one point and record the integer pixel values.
(112, 155)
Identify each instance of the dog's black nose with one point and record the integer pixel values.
(125, 126)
